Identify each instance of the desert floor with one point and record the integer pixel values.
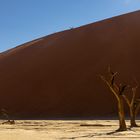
(65, 130)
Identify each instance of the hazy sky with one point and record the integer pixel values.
(25, 20)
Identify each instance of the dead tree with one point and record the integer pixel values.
(5, 114)
(134, 105)
(117, 92)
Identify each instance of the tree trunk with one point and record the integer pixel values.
(122, 123)
(137, 110)
(132, 118)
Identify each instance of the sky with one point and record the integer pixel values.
(24, 20)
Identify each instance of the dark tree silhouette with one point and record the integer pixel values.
(5, 113)
(134, 106)
(117, 92)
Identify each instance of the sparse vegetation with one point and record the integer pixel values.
(134, 105)
(5, 114)
(117, 92)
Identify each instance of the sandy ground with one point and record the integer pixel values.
(65, 130)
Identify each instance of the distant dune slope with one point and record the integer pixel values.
(57, 75)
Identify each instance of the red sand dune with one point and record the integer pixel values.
(57, 75)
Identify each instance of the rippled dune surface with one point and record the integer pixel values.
(65, 130)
